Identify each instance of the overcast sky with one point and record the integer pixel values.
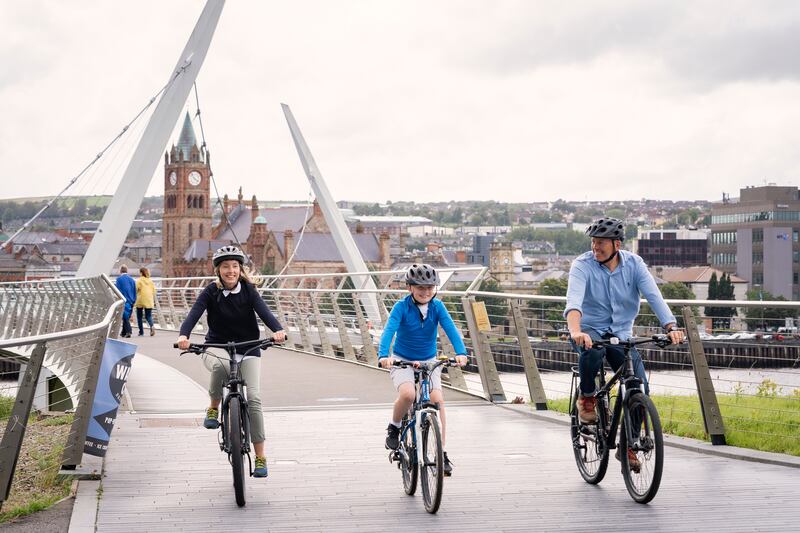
(417, 100)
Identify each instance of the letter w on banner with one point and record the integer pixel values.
(114, 369)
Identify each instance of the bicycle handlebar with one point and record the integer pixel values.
(660, 340)
(229, 346)
(449, 361)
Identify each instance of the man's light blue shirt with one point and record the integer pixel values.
(609, 301)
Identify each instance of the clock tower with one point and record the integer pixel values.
(187, 200)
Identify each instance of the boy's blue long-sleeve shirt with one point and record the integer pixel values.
(416, 338)
(609, 301)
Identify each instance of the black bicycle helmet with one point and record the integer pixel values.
(422, 275)
(607, 228)
(228, 252)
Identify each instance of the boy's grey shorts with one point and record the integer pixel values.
(406, 375)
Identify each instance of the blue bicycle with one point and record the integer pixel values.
(429, 457)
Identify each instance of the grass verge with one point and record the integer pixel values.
(769, 423)
(37, 484)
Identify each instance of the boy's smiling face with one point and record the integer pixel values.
(422, 293)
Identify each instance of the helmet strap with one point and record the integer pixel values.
(612, 256)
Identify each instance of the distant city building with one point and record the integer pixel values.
(391, 225)
(481, 245)
(697, 279)
(673, 247)
(757, 237)
(297, 235)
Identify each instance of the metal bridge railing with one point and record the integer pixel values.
(62, 326)
(723, 382)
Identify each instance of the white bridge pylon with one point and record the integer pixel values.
(127, 199)
(341, 234)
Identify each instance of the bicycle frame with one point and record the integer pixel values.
(233, 385)
(629, 384)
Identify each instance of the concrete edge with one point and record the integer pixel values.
(84, 510)
(684, 443)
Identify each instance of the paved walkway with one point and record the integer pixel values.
(329, 471)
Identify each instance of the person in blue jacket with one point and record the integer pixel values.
(413, 325)
(127, 286)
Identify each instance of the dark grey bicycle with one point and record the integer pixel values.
(641, 444)
(234, 434)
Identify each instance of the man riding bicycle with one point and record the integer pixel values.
(603, 296)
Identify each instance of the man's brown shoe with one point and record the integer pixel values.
(633, 461)
(586, 409)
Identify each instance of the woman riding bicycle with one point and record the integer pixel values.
(232, 303)
(603, 296)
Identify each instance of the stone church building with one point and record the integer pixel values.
(271, 237)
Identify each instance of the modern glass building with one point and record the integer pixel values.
(757, 237)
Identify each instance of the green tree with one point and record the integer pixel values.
(720, 290)
(763, 318)
(550, 313)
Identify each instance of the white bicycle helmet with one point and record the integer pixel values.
(228, 252)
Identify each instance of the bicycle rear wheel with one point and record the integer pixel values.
(589, 447)
(235, 454)
(409, 466)
(432, 462)
(647, 446)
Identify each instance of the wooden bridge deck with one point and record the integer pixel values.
(329, 470)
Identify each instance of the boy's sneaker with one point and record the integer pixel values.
(448, 466)
(633, 461)
(211, 421)
(392, 437)
(586, 409)
(261, 467)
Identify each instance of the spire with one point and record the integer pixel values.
(187, 139)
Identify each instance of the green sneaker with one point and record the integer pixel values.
(261, 467)
(211, 421)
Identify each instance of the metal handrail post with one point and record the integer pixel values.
(490, 379)
(535, 385)
(712, 417)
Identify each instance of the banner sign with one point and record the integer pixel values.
(114, 369)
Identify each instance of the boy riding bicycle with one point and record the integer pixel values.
(413, 325)
(603, 296)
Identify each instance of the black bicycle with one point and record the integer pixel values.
(234, 434)
(641, 443)
(431, 459)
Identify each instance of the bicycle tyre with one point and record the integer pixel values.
(409, 466)
(591, 451)
(235, 455)
(643, 485)
(432, 471)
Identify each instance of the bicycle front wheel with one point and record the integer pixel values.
(643, 463)
(589, 447)
(409, 466)
(235, 454)
(432, 462)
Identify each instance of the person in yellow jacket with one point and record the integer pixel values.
(145, 300)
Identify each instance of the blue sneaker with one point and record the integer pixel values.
(261, 467)
(211, 421)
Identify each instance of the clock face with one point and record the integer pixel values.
(194, 178)
(506, 261)
(173, 178)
